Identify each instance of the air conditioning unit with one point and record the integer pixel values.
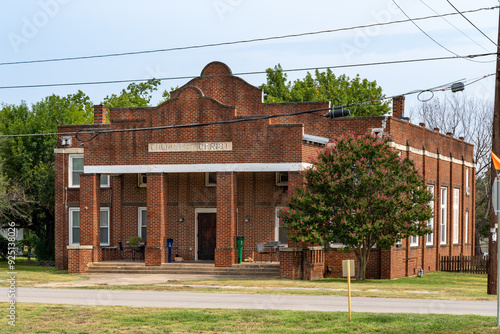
(142, 180)
(66, 141)
(282, 179)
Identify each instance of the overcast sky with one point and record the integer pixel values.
(47, 29)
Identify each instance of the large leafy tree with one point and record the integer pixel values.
(27, 169)
(135, 95)
(326, 86)
(359, 192)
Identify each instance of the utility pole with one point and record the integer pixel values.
(495, 141)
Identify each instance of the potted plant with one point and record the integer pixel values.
(134, 240)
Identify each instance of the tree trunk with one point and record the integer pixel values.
(362, 255)
(477, 236)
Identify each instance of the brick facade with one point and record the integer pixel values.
(168, 184)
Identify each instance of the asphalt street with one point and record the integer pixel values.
(246, 301)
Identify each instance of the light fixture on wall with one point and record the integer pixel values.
(181, 218)
(247, 218)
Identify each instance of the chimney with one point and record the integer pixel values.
(100, 114)
(398, 106)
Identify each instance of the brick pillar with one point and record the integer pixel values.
(225, 250)
(61, 222)
(398, 106)
(90, 216)
(155, 248)
(99, 114)
(116, 228)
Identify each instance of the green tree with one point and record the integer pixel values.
(28, 162)
(136, 95)
(326, 86)
(358, 192)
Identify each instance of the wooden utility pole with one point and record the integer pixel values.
(495, 141)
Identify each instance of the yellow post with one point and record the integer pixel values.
(349, 288)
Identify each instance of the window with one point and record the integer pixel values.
(143, 223)
(456, 214)
(142, 180)
(76, 168)
(444, 216)
(211, 179)
(104, 226)
(467, 189)
(466, 227)
(414, 240)
(430, 222)
(74, 226)
(281, 234)
(282, 179)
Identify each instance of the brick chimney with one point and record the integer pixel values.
(100, 114)
(398, 106)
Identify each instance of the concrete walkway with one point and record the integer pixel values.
(246, 301)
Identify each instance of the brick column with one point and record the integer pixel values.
(116, 228)
(61, 222)
(90, 216)
(155, 248)
(225, 250)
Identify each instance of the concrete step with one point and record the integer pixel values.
(269, 270)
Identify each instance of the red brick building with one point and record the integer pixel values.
(204, 185)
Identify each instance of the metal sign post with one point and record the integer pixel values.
(495, 197)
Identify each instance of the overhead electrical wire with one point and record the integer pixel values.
(426, 34)
(262, 39)
(465, 17)
(253, 72)
(454, 26)
(95, 132)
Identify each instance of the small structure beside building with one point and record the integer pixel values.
(203, 186)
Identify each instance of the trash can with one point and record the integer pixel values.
(170, 242)
(239, 244)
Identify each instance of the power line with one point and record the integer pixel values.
(253, 72)
(454, 26)
(118, 54)
(96, 132)
(459, 12)
(423, 31)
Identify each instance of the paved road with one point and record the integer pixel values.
(246, 301)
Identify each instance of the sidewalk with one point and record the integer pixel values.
(247, 301)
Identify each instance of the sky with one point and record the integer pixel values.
(50, 29)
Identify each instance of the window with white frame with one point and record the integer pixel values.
(142, 232)
(211, 179)
(430, 222)
(104, 226)
(280, 233)
(467, 189)
(456, 214)
(444, 215)
(76, 169)
(74, 226)
(414, 240)
(466, 227)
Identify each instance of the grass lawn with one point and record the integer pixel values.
(35, 318)
(32, 273)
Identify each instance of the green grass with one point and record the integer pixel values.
(32, 273)
(35, 318)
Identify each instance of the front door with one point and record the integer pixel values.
(206, 236)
